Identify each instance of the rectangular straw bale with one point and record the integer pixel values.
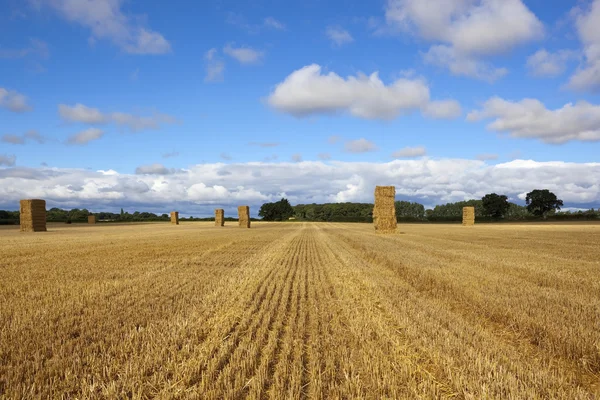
(244, 216)
(91, 219)
(175, 217)
(219, 217)
(384, 210)
(468, 218)
(33, 215)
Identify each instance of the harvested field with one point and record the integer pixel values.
(301, 310)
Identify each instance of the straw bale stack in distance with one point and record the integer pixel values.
(175, 217)
(91, 219)
(384, 211)
(33, 215)
(244, 216)
(468, 216)
(219, 217)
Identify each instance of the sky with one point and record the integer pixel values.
(152, 105)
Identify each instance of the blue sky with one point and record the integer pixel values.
(153, 91)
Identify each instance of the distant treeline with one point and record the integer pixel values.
(81, 215)
(415, 212)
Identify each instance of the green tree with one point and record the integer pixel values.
(495, 205)
(278, 211)
(541, 202)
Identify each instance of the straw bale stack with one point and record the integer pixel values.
(244, 216)
(384, 212)
(219, 217)
(175, 217)
(91, 219)
(468, 216)
(33, 215)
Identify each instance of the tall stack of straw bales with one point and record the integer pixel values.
(33, 215)
(175, 217)
(244, 216)
(468, 216)
(219, 217)
(91, 219)
(384, 212)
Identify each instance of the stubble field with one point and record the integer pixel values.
(300, 310)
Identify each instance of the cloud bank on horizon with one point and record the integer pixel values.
(447, 99)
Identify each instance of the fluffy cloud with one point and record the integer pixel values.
(245, 55)
(324, 156)
(106, 20)
(469, 29)
(86, 136)
(443, 109)
(338, 35)
(462, 65)
(12, 139)
(359, 146)
(410, 152)
(13, 101)
(7, 160)
(215, 67)
(587, 20)
(36, 48)
(154, 169)
(273, 23)
(87, 115)
(529, 118)
(546, 64)
(200, 188)
(307, 91)
(487, 156)
(296, 157)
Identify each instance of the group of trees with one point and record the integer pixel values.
(492, 207)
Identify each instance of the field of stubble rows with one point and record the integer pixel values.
(300, 310)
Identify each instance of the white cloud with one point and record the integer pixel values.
(36, 47)
(215, 67)
(324, 156)
(361, 145)
(469, 30)
(476, 27)
(547, 64)
(462, 65)
(444, 109)
(154, 169)
(106, 20)
(410, 152)
(296, 157)
(81, 113)
(273, 23)
(198, 189)
(87, 115)
(86, 136)
(12, 139)
(7, 160)
(244, 55)
(487, 156)
(338, 35)
(529, 118)
(13, 101)
(587, 76)
(225, 156)
(21, 139)
(307, 92)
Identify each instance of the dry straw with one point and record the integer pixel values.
(384, 211)
(219, 217)
(468, 216)
(175, 217)
(33, 215)
(91, 219)
(244, 216)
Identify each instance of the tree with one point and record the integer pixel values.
(495, 206)
(541, 202)
(278, 211)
